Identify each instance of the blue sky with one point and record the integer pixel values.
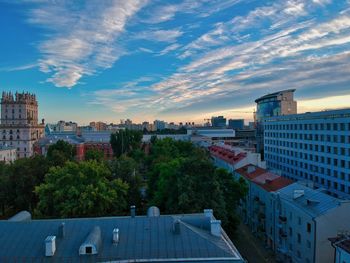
(175, 60)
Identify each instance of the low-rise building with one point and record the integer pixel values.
(7, 154)
(232, 158)
(257, 210)
(152, 238)
(305, 219)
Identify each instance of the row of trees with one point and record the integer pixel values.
(177, 176)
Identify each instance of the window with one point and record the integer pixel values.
(308, 227)
(299, 238)
(88, 250)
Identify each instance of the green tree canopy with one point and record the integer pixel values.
(124, 141)
(60, 152)
(81, 189)
(94, 154)
(17, 182)
(127, 169)
(183, 179)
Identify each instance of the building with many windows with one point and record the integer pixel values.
(305, 219)
(19, 122)
(270, 105)
(218, 122)
(236, 124)
(312, 147)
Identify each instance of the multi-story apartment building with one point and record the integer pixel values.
(218, 122)
(313, 147)
(19, 122)
(274, 104)
(305, 219)
(341, 243)
(236, 124)
(257, 209)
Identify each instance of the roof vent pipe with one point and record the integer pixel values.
(50, 246)
(133, 211)
(176, 227)
(61, 230)
(115, 235)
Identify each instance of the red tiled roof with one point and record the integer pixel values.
(226, 155)
(276, 184)
(250, 176)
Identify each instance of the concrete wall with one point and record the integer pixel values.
(328, 225)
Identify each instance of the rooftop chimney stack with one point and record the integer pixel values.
(61, 230)
(115, 235)
(215, 227)
(50, 246)
(208, 213)
(133, 211)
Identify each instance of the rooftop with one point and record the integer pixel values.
(342, 242)
(271, 182)
(327, 114)
(227, 155)
(275, 94)
(250, 171)
(313, 202)
(140, 238)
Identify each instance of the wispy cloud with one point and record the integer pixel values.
(159, 35)
(82, 41)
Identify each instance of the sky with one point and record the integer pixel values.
(183, 60)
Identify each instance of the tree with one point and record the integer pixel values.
(124, 141)
(127, 169)
(183, 179)
(81, 189)
(60, 152)
(94, 154)
(18, 181)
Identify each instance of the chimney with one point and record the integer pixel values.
(251, 169)
(61, 230)
(50, 246)
(115, 235)
(215, 228)
(208, 213)
(176, 227)
(133, 211)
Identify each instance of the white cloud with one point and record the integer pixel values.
(166, 35)
(83, 42)
(169, 48)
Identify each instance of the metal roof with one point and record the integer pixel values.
(313, 202)
(142, 238)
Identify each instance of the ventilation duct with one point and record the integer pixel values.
(153, 211)
(21, 216)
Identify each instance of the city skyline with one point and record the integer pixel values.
(180, 61)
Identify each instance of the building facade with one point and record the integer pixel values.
(312, 147)
(341, 243)
(218, 122)
(305, 219)
(7, 154)
(237, 124)
(19, 122)
(270, 105)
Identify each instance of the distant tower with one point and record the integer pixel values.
(19, 122)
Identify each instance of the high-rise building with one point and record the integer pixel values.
(19, 122)
(270, 105)
(159, 125)
(218, 122)
(236, 124)
(313, 147)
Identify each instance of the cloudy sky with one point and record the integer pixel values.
(175, 60)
